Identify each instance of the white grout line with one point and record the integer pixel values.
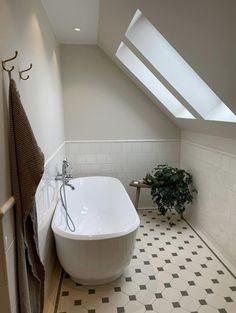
(13, 242)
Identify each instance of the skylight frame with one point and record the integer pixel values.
(151, 82)
(168, 62)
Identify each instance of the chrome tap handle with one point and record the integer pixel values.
(69, 176)
(66, 163)
(65, 166)
(64, 176)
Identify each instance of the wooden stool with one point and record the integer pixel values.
(138, 184)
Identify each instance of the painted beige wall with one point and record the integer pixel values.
(24, 27)
(100, 102)
(203, 32)
(212, 162)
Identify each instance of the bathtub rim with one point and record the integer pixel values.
(64, 234)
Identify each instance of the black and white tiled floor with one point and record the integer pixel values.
(172, 271)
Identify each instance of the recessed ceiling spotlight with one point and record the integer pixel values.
(77, 29)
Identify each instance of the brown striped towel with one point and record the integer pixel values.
(27, 165)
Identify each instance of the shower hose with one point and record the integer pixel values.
(69, 222)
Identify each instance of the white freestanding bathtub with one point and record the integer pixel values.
(106, 224)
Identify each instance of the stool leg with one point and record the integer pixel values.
(137, 197)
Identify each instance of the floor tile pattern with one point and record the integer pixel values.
(172, 271)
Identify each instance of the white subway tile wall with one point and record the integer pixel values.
(125, 160)
(214, 211)
(46, 198)
(7, 274)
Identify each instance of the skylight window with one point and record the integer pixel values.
(149, 80)
(167, 61)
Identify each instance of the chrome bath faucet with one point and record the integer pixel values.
(65, 176)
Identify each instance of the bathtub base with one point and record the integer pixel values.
(95, 282)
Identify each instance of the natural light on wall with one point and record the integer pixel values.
(147, 78)
(166, 60)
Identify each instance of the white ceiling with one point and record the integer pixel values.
(203, 32)
(65, 15)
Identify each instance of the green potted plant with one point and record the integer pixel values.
(171, 188)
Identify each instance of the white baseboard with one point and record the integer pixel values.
(146, 208)
(231, 267)
(50, 302)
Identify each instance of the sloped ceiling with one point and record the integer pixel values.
(202, 31)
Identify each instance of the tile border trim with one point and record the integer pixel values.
(122, 140)
(58, 291)
(54, 154)
(11, 201)
(6, 207)
(231, 155)
(213, 248)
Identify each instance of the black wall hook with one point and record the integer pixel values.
(28, 69)
(8, 60)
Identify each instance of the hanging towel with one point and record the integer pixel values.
(27, 165)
